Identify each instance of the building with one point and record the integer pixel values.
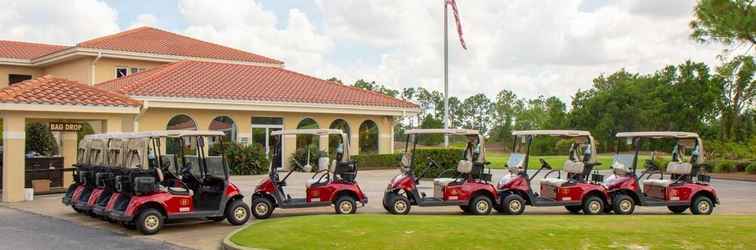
(149, 79)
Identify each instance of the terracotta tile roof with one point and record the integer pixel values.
(156, 41)
(51, 90)
(24, 50)
(208, 80)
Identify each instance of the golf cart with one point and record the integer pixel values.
(80, 171)
(107, 180)
(468, 188)
(89, 172)
(685, 186)
(574, 190)
(191, 184)
(332, 184)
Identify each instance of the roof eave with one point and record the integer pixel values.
(46, 107)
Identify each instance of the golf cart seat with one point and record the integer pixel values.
(463, 167)
(325, 177)
(673, 168)
(171, 189)
(571, 167)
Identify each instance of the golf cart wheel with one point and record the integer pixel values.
(345, 205)
(677, 209)
(262, 207)
(513, 204)
(237, 212)
(149, 221)
(574, 209)
(623, 204)
(77, 210)
(398, 204)
(593, 205)
(481, 205)
(702, 205)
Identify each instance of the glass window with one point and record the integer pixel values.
(14, 78)
(335, 140)
(121, 72)
(307, 140)
(368, 137)
(267, 120)
(225, 124)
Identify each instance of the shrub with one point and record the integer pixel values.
(724, 166)
(246, 159)
(741, 166)
(300, 156)
(39, 139)
(446, 158)
(381, 161)
(751, 169)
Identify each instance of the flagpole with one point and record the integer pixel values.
(446, 73)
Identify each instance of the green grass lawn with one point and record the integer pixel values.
(375, 231)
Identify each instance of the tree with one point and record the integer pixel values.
(503, 113)
(372, 86)
(334, 79)
(738, 88)
(430, 139)
(476, 111)
(556, 113)
(39, 139)
(725, 21)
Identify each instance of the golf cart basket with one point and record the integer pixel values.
(474, 156)
(342, 167)
(577, 167)
(679, 168)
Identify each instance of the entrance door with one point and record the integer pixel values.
(261, 135)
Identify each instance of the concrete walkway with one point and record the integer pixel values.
(737, 197)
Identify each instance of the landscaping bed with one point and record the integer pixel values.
(375, 231)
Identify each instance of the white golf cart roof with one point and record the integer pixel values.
(148, 134)
(451, 131)
(308, 132)
(565, 133)
(659, 134)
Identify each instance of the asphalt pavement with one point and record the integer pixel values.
(24, 230)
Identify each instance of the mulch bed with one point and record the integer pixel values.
(740, 176)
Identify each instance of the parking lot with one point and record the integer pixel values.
(737, 197)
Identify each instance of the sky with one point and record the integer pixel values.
(550, 48)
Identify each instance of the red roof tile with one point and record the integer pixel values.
(192, 79)
(59, 91)
(156, 41)
(23, 50)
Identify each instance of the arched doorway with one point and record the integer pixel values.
(225, 124)
(307, 140)
(368, 137)
(333, 140)
(179, 122)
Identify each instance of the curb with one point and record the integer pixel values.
(227, 244)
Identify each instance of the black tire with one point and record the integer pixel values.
(345, 205)
(481, 205)
(574, 209)
(149, 221)
(513, 204)
(702, 205)
(623, 204)
(262, 207)
(385, 196)
(77, 210)
(398, 204)
(593, 205)
(677, 209)
(237, 212)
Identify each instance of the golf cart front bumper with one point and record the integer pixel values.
(120, 216)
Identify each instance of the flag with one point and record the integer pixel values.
(453, 4)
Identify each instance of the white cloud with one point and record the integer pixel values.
(58, 22)
(532, 48)
(248, 25)
(144, 20)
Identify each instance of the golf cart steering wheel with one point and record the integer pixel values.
(651, 166)
(186, 173)
(544, 164)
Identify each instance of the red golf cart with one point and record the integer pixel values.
(74, 191)
(574, 190)
(468, 188)
(685, 186)
(193, 183)
(92, 169)
(332, 184)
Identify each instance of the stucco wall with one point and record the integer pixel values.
(105, 67)
(157, 119)
(5, 70)
(77, 70)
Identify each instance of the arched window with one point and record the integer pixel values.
(179, 122)
(225, 124)
(304, 140)
(333, 140)
(368, 137)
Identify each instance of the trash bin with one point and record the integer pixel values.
(29, 194)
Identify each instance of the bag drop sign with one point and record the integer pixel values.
(65, 126)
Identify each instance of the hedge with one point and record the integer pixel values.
(447, 158)
(751, 169)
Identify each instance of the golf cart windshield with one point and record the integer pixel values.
(520, 149)
(625, 155)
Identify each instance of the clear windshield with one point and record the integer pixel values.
(516, 160)
(626, 159)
